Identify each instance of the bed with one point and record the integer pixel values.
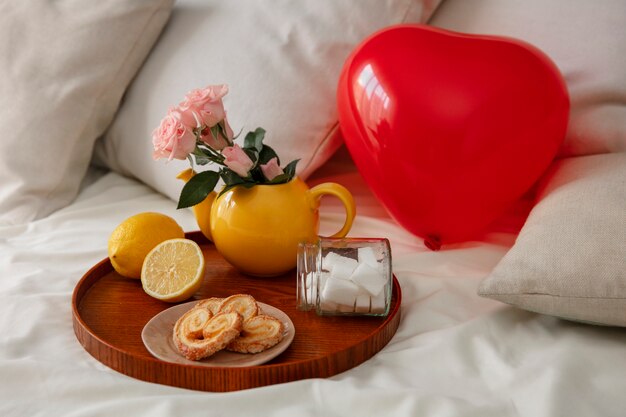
(525, 321)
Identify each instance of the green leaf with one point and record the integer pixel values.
(267, 154)
(290, 169)
(197, 188)
(201, 158)
(210, 153)
(230, 177)
(232, 180)
(254, 140)
(215, 131)
(280, 179)
(257, 175)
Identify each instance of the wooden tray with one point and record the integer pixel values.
(109, 313)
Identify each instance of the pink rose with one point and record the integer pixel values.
(172, 139)
(237, 160)
(203, 106)
(271, 170)
(228, 130)
(218, 143)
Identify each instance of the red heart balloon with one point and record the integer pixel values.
(450, 129)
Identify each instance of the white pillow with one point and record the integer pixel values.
(281, 61)
(569, 259)
(64, 66)
(587, 41)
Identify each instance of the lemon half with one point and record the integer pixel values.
(173, 271)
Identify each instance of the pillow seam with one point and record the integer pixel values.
(330, 133)
(406, 11)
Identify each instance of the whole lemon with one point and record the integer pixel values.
(132, 239)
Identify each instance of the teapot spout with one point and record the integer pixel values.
(202, 210)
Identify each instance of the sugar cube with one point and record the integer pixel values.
(362, 304)
(367, 255)
(339, 291)
(369, 279)
(378, 303)
(330, 259)
(343, 267)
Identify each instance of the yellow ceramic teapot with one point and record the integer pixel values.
(258, 229)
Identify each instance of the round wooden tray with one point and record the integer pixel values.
(109, 313)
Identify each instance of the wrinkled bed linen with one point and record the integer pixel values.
(454, 354)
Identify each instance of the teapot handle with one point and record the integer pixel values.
(343, 195)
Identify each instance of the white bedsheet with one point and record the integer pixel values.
(454, 354)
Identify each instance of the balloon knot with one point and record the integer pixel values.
(432, 242)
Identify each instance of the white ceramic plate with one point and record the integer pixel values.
(157, 337)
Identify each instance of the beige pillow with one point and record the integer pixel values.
(569, 259)
(64, 66)
(281, 61)
(587, 41)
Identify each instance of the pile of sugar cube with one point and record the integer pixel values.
(349, 285)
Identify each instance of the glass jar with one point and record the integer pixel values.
(349, 276)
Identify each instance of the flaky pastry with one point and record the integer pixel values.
(213, 304)
(243, 304)
(259, 333)
(199, 334)
(235, 323)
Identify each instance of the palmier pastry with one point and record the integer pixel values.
(198, 334)
(213, 304)
(259, 333)
(243, 304)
